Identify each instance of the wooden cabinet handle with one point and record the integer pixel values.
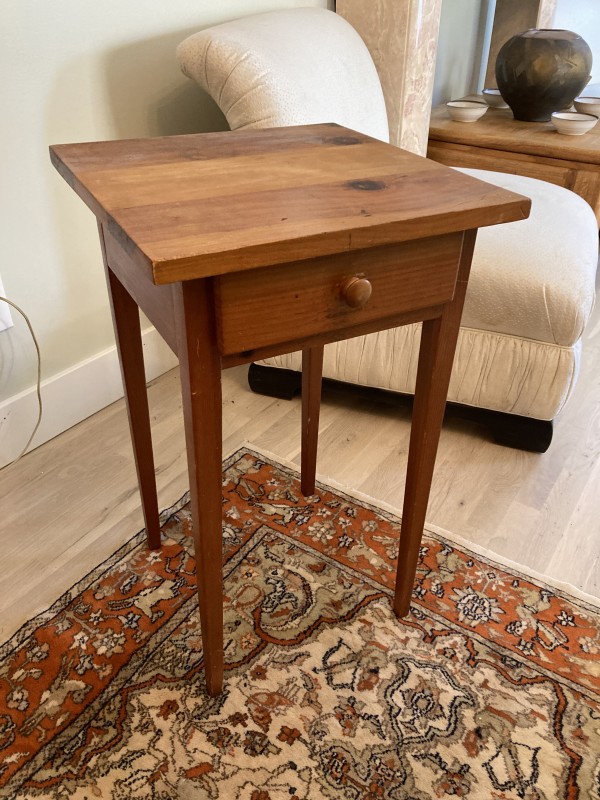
(356, 291)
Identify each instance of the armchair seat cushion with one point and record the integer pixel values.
(535, 278)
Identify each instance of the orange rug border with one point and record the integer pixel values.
(566, 591)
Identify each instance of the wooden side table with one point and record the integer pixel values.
(534, 149)
(243, 245)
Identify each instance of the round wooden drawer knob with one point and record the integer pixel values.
(356, 291)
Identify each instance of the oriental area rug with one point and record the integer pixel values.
(490, 688)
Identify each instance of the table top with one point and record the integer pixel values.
(498, 130)
(206, 204)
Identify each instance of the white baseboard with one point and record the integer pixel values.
(73, 395)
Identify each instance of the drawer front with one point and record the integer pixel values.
(544, 169)
(274, 305)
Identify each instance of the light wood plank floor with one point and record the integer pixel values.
(73, 501)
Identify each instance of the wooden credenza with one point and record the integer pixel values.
(534, 149)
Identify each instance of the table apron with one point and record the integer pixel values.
(158, 303)
(281, 309)
(395, 321)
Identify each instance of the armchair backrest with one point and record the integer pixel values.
(289, 67)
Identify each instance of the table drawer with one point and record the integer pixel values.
(274, 305)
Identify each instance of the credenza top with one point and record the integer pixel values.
(498, 130)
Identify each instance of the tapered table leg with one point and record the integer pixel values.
(312, 374)
(126, 321)
(438, 344)
(200, 367)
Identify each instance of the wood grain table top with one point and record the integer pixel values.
(206, 204)
(498, 130)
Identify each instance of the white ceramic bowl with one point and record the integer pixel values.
(588, 105)
(466, 110)
(573, 123)
(493, 98)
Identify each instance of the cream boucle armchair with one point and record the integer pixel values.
(532, 283)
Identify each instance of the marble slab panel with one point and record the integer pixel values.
(402, 38)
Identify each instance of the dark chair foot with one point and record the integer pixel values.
(510, 430)
(523, 433)
(274, 382)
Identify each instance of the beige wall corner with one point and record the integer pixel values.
(546, 14)
(402, 38)
(512, 17)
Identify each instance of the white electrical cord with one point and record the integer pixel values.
(39, 375)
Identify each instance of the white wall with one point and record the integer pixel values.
(583, 17)
(81, 70)
(461, 39)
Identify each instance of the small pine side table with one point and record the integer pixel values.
(243, 245)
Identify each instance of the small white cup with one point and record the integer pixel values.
(493, 98)
(573, 123)
(588, 105)
(466, 110)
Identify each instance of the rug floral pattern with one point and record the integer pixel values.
(489, 689)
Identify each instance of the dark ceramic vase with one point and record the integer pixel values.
(541, 71)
